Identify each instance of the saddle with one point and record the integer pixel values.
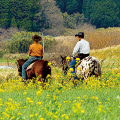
(32, 63)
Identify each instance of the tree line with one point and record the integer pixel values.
(19, 13)
(101, 13)
(38, 15)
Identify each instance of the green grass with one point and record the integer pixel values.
(92, 101)
(73, 104)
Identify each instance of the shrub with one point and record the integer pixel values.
(21, 41)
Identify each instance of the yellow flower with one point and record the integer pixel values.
(96, 98)
(31, 101)
(48, 75)
(1, 104)
(55, 116)
(100, 109)
(28, 99)
(71, 69)
(67, 117)
(82, 100)
(25, 106)
(93, 97)
(54, 98)
(38, 103)
(100, 102)
(82, 111)
(31, 115)
(78, 68)
(75, 110)
(36, 114)
(10, 99)
(85, 96)
(104, 111)
(63, 115)
(78, 97)
(67, 58)
(77, 59)
(69, 74)
(64, 101)
(38, 92)
(24, 93)
(19, 114)
(49, 63)
(41, 118)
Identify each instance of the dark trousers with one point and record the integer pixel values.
(81, 55)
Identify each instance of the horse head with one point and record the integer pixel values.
(20, 62)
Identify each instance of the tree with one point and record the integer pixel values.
(4, 14)
(70, 6)
(13, 22)
(62, 4)
(86, 8)
(118, 5)
(69, 22)
(73, 20)
(52, 14)
(20, 11)
(105, 14)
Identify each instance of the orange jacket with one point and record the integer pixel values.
(36, 50)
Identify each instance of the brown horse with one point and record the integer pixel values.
(39, 69)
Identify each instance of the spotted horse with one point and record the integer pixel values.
(87, 67)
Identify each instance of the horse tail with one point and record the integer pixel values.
(97, 68)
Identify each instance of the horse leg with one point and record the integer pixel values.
(29, 74)
(39, 75)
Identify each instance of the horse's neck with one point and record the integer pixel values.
(22, 62)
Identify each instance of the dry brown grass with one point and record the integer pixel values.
(98, 39)
(104, 44)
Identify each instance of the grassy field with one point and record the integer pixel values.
(96, 100)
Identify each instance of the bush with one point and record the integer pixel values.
(2, 53)
(21, 41)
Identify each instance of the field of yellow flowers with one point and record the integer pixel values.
(61, 100)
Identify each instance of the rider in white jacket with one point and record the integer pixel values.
(82, 48)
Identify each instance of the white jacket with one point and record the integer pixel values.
(82, 46)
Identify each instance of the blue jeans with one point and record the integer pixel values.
(72, 65)
(26, 64)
